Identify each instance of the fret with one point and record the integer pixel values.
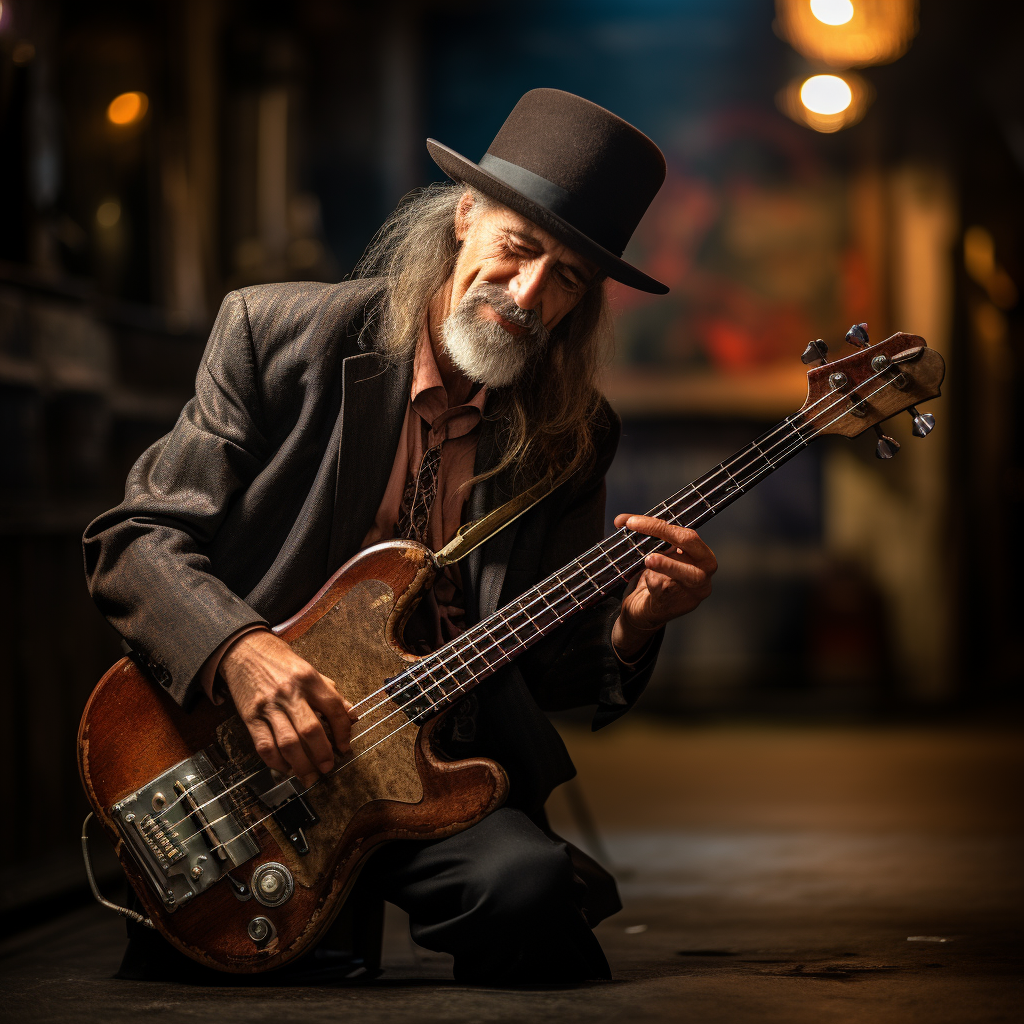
(516, 616)
(696, 490)
(445, 682)
(624, 553)
(546, 613)
(593, 574)
(569, 587)
(459, 672)
(462, 672)
(483, 648)
(687, 502)
(606, 572)
(507, 646)
(417, 700)
(565, 603)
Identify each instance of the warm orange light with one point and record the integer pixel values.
(826, 103)
(127, 108)
(825, 94)
(832, 12)
(842, 34)
(108, 213)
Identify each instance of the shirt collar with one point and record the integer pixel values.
(428, 395)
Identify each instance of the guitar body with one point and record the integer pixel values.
(132, 733)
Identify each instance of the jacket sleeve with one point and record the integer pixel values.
(577, 665)
(145, 560)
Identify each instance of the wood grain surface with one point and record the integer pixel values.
(392, 786)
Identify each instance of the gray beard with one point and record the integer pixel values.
(482, 349)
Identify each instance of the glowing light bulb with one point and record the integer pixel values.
(832, 12)
(127, 108)
(826, 94)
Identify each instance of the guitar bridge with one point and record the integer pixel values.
(184, 830)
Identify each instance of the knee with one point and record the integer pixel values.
(517, 881)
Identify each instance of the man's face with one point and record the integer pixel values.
(511, 286)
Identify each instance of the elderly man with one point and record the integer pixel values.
(455, 371)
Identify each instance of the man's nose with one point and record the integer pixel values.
(527, 286)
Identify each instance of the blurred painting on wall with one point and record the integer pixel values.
(750, 233)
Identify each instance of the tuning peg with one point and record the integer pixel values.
(857, 336)
(887, 447)
(816, 350)
(924, 422)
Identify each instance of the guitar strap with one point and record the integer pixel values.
(472, 535)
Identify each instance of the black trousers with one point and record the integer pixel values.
(503, 898)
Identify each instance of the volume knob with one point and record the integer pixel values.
(272, 884)
(261, 930)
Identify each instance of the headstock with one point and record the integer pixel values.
(859, 391)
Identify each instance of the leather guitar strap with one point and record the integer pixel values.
(472, 535)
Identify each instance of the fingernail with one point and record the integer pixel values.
(326, 766)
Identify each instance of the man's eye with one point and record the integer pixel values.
(521, 251)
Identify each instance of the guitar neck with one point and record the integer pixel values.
(441, 678)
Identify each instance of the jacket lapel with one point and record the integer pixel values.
(374, 396)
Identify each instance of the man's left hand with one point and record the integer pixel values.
(673, 583)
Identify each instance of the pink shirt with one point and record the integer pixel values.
(430, 420)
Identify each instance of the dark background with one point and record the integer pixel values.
(277, 138)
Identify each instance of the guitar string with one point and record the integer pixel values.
(731, 463)
(249, 828)
(482, 631)
(623, 544)
(723, 467)
(712, 508)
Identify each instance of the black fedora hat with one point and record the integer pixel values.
(573, 168)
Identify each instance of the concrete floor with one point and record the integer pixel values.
(769, 875)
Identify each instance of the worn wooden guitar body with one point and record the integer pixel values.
(131, 733)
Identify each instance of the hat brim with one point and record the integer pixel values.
(459, 168)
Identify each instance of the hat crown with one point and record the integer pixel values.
(610, 170)
(574, 169)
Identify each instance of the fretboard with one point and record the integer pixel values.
(440, 678)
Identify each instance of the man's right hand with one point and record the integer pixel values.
(277, 695)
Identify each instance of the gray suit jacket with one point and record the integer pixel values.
(268, 483)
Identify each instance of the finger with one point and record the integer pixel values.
(686, 540)
(266, 747)
(311, 734)
(289, 744)
(684, 573)
(337, 711)
(670, 599)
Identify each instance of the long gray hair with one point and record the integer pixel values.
(546, 419)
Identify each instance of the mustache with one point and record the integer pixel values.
(505, 306)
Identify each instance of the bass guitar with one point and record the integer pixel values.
(243, 870)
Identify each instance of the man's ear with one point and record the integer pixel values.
(462, 215)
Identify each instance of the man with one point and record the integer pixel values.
(456, 371)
